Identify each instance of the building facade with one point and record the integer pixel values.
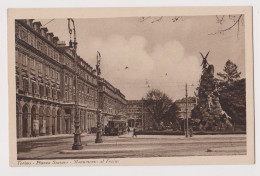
(137, 115)
(45, 91)
(134, 113)
(112, 102)
(182, 105)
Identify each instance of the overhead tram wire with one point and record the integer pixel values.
(166, 84)
(49, 22)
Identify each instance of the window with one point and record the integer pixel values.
(29, 39)
(70, 81)
(24, 59)
(47, 70)
(66, 96)
(25, 85)
(40, 66)
(33, 88)
(53, 93)
(17, 81)
(24, 35)
(67, 111)
(50, 52)
(44, 49)
(57, 75)
(33, 63)
(66, 79)
(41, 91)
(52, 73)
(47, 92)
(56, 56)
(58, 95)
(39, 45)
(32, 40)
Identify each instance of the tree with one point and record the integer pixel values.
(233, 101)
(233, 93)
(230, 73)
(171, 117)
(157, 105)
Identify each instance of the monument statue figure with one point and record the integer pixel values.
(204, 63)
(208, 110)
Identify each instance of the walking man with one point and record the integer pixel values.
(134, 132)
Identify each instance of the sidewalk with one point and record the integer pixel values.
(103, 150)
(50, 137)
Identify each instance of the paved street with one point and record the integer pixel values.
(59, 147)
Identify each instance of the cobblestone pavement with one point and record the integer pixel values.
(59, 147)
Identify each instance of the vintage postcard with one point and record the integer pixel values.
(130, 86)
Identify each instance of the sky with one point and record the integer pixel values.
(138, 55)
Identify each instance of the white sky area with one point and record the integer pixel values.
(164, 55)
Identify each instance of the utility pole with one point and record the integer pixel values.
(187, 122)
(77, 134)
(99, 113)
(142, 114)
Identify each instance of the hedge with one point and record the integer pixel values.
(194, 132)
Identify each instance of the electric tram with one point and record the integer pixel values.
(115, 127)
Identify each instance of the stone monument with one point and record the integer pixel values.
(208, 110)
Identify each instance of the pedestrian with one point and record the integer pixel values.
(134, 132)
(128, 129)
(191, 131)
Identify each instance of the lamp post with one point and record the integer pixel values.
(77, 134)
(187, 122)
(186, 112)
(142, 114)
(99, 113)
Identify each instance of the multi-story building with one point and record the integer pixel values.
(134, 113)
(181, 103)
(112, 102)
(45, 91)
(137, 115)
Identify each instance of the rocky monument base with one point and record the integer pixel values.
(208, 111)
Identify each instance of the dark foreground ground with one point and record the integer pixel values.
(125, 146)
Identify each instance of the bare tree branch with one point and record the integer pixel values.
(144, 18)
(177, 18)
(221, 19)
(236, 22)
(157, 20)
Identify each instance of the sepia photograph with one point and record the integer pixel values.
(163, 85)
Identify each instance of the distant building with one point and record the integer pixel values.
(136, 115)
(112, 102)
(181, 103)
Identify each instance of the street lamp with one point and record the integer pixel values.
(77, 134)
(142, 114)
(187, 122)
(186, 111)
(99, 113)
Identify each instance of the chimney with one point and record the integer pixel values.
(49, 36)
(29, 22)
(44, 30)
(37, 25)
(55, 40)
